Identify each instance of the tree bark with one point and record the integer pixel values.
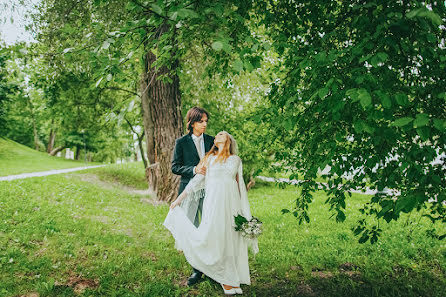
(33, 119)
(56, 150)
(51, 140)
(147, 117)
(161, 107)
(141, 149)
(78, 153)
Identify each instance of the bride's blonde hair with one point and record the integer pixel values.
(228, 149)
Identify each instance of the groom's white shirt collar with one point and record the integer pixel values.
(194, 137)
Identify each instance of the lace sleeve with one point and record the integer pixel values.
(246, 210)
(195, 184)
(194, 191)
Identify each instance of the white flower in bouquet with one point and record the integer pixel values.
(249, 229)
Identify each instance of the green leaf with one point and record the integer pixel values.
(402, 99)
(440, 125)
(217, 45)
(421, 120)
(365, 58)
(288, 124)
(424, 12)
(340, 217)
(173, 16)
(375, 61)
(358, 126)
(266, 46)
(109, 77)
(364, 237)
(411, 14)
(248, 66)
(431, 37)
(238, 65)
(323, 92)
(382, 56)
(156, 9)
(284, 211)
(423, 132)
(187, 13)
(402, 122)
(364, 98)
(353, 93)
(385, 100)
(435, 18)
(227, 47)
(405, 203)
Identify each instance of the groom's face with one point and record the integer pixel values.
(200, 126)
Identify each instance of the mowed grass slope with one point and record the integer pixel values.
(16, 158)
(89, 234)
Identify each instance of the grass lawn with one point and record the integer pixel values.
(96, 233)
(16, 158)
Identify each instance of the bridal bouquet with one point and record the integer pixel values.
(250, 229)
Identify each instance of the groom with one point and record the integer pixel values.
(189, 150)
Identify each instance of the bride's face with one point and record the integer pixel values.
(221, 137)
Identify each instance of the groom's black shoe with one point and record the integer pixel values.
(194, 278)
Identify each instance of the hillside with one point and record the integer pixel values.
(16, 158)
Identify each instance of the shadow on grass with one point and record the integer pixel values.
(321, 283)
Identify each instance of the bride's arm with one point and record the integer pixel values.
(236, 178)
(191, 187)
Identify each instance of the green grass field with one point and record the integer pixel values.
(16, 158)
(95, 233)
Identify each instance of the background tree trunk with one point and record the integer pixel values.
(56, 150)
(51, 140)
(161, 107)
(141, 149)
(78, 153)
(33, 119)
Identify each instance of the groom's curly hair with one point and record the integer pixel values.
(194, 115)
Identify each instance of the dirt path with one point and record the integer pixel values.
(45, 173)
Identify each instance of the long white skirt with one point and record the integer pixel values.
(214, 248)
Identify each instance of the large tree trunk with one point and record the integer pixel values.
(147, 117)
(161, 107)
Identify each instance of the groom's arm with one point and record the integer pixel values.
(178, 166)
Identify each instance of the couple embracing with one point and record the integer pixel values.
(212, 192)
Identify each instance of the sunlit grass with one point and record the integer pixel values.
(16, 159)
(60, 232)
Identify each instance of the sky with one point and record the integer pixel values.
(11, 10)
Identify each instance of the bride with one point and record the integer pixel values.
(215, 248)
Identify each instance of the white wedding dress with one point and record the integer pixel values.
(215, 248)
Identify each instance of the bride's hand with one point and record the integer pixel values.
(174, 204)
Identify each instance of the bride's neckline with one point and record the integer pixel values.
(215, 156)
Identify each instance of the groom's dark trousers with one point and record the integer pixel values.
(185, 158)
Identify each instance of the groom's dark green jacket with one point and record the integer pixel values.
(185, 157)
